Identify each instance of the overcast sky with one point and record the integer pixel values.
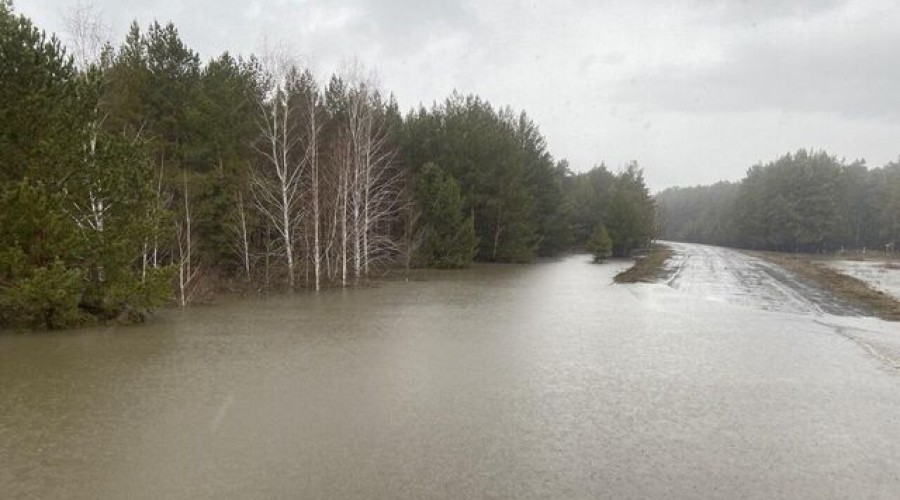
(696, 91)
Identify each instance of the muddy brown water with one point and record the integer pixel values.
(539, 381)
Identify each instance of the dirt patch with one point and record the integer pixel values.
(647, 268)
(847, 288)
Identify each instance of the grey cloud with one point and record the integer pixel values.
(696, 90)
(851, 72)
(751, 12)
(397, 17)
(396, 27)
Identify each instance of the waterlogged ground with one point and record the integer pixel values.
(541, 381)
(878, 274)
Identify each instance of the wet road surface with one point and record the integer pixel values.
(727, 275)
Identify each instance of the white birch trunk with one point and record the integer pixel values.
(245, 238)
(345, 190)
(314, 166)
(188, 272)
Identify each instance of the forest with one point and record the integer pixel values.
(137, 175)
(808, 201)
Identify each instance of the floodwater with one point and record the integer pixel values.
(538, 381)
(883, 275)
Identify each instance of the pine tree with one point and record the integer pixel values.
(448, 235)
(496, 158)
(74, 203)
(631, 217)
(600, 245)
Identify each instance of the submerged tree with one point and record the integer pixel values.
(278, 181)
(142, 170)
(586, 197)
(77, 205)
(447, 234)
(374, 179)
(600, 244)
(507, 179)
(631, 217)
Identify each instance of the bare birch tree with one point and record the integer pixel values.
(240, 236)
(277, 182)
(376, 180)
(87, 34)
(314, 128)
(186, 242)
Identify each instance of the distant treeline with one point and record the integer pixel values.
(144, 175)
(801, 202)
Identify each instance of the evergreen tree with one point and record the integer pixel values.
(74, 209)
(554, 230)
(587, 195)
(631, 216)
(41, 113)
(226, 128)
(447, 235)
(801, 202)
(600, 244)
(503, 170)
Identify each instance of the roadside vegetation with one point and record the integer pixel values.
(648, 267)
(848, 288)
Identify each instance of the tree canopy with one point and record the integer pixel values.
(75, 207)
(808, 201)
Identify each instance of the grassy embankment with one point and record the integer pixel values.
(848, 288)
(648, 267)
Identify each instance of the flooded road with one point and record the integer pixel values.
(539, 381)
(727, 275)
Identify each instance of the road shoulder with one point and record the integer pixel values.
(843, 286)
(648, 268)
